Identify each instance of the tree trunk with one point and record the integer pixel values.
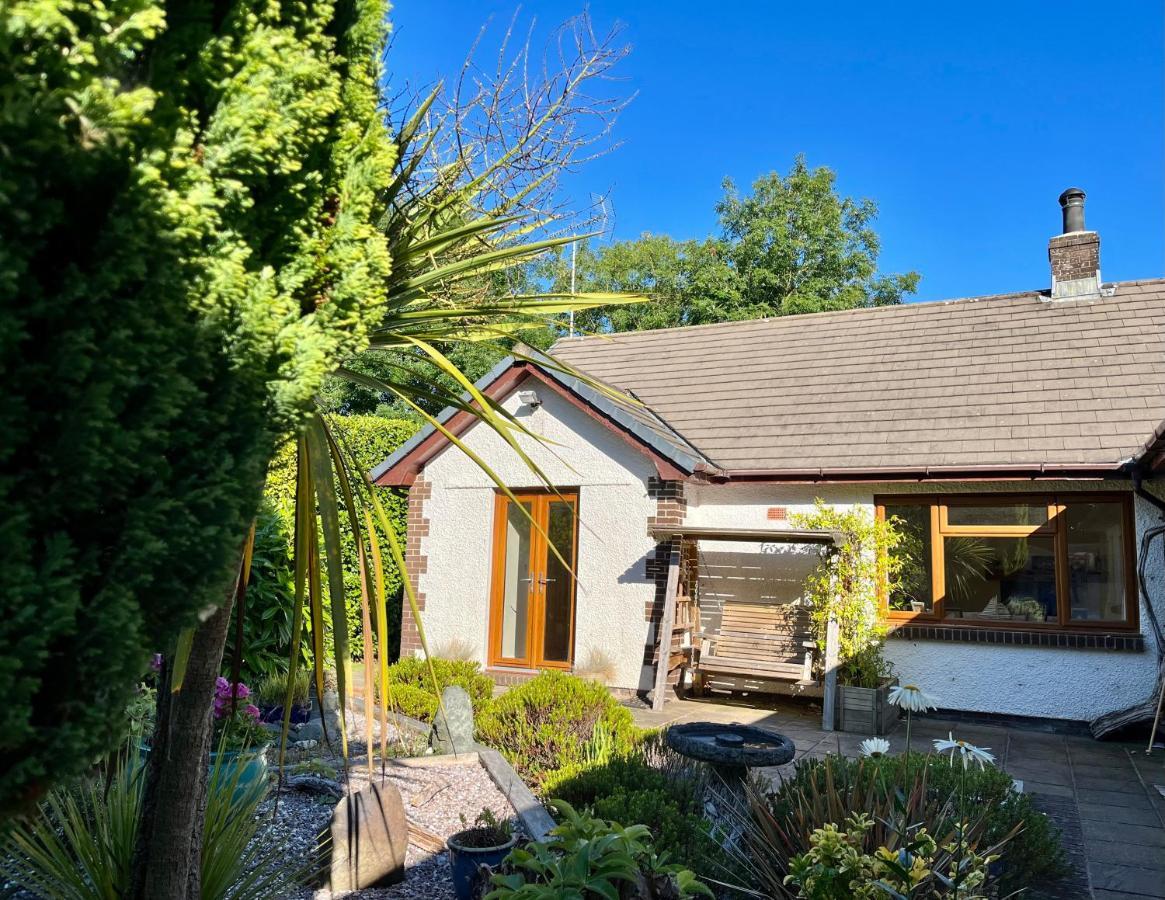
(167, 854)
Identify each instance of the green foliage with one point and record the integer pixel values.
(837, 866)
(371, 439)
(80, 842)
(474, 359)
(547, 723)
(316, 767)
(140, 714)
(186, 249)
(412, 690)
(790, 246)
(649, 785)
(917, 789)
(487, 830)
(591, 858)
(849, 583)
(272, 689)
(270, 603)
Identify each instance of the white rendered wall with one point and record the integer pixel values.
(613, 545)
(1022, 681)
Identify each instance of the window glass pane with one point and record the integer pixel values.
(1003, 514)
(556, 628)
(913, 591)
(516, 590)
(1096, 562)
(1000, 578)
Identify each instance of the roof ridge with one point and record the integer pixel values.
(564, 342)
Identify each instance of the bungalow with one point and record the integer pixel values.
(1018, 438)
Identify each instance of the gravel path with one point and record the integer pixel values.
(435, 797)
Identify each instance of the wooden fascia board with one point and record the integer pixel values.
(406, 470)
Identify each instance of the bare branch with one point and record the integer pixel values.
(515, 129)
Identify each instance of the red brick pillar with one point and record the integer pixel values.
(670, 509)
(415, 564)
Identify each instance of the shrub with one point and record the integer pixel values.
(591, 858)
(837, 866)
(186, 251)
(649, 785)
(547, 723)
(923, 789)
(411, 685)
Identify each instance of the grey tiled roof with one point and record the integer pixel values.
(1013, 379)
(635, 417)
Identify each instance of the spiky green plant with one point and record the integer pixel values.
(443, 251)
(79, 843)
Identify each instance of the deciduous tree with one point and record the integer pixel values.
(792, 245)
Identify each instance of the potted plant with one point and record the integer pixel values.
(863, 692)
(1028, 609)
(848, 587)
(240, 740)
(272, 691)
(487, 843)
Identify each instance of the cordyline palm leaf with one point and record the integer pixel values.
(445, 247)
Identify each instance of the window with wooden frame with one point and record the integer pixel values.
(1027, 561)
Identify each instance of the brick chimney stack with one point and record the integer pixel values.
(1075, 254)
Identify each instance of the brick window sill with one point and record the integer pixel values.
(1072, 640)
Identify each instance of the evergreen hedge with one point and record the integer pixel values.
(187, 198)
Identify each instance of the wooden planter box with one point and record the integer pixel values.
(865, 710)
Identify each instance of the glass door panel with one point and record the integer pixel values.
(558, 587)
(516, 586)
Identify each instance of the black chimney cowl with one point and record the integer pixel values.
(1072, 205)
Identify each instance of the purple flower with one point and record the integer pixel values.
(252, 711)
(156, 662)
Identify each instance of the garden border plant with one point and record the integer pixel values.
(548, 722)
(917, 788)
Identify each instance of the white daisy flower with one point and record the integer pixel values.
(912, 698)
(875, 747)
(967, 751)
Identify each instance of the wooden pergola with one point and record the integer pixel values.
(676, 537)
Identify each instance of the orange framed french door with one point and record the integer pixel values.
(532, 592)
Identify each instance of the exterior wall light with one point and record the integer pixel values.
(529, 398)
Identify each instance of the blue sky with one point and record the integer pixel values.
(963, 121)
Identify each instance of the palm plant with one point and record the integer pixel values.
(449, 235)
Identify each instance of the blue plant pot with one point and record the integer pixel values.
(274, 714)
(463, 861)
(251, 765)
(248, 766)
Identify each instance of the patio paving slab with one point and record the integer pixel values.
(1050, 790)
(1133, 879)
(1119, 853)
(1117, 784)
(1145, 836)
(1128, 799)
(1118, 815)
